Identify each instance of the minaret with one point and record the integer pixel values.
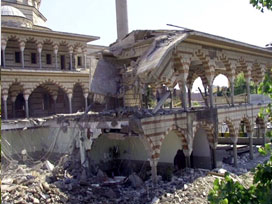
(121, 18)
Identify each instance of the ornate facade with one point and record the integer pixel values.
(43, 71)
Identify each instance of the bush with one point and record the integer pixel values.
(229, 192)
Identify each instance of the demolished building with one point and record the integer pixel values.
(121, 115)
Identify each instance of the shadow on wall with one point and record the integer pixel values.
(201, 155)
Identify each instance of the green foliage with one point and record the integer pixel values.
(240, 85)
(196, 104)
(261, 4)
(266, 88)
(228, 191)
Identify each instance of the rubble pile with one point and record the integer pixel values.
(46, 183)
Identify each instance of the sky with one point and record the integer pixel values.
(234, 19)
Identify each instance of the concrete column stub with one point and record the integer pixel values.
(153, 164)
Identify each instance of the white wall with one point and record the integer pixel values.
(170, 145)
(130, 148)
(201, 145)
(41, 140)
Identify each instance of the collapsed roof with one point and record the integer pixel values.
(153, 56)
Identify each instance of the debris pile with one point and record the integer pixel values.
(68, 183)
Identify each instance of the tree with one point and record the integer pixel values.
(240, 85)
(266, 88)
(262, 4)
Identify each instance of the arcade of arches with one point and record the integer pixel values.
(44, 99)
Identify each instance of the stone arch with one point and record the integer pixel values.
(12, 51)
(207, 64)
(41, 102)
(13, 90)
(52, 94)
(257, 73)
(82, 85)
(12, 36)
(78, 100)
(203, 142)
(19, 87)
(247, 124)
(261, 121)
(209, 129)
(227, 64)
(232, 128)
(181, 133)
(63, 53)
(155, 142)
(65, 89)
(243, 66)
(222, 74)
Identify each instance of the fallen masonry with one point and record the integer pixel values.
(64, 184)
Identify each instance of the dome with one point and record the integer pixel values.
(11, 11)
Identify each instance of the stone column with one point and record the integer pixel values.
(153, 164)
(39, 49)
(13, 99)
(26, 96)
(235, 155)
(263, 134)
(3, 47)
(55, 103)
(171, 90)
(5, 98)
(250, 137)
(76, 60)
(211, 94)
(184, 96)
(190, 95)
(71, 50)
(183, 75)
(231, 80)
(83, 156)
(56, 49)
(235, 140)
(85, 58)
(86, 100)
(70, 96)
(210, 77)
(232, 92)
(22, 48)
(248, 78)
